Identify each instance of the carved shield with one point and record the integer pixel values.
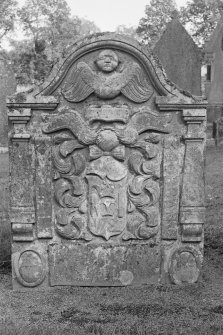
(107, 180)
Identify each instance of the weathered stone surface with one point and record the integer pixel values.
(43, 187)
(103, 265)
(29, 265)
(180, 57)
(108, 145)
(22, 231)
(185, 265)
(173, 163)
(21, 173)
(193, 183)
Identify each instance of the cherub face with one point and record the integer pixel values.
(107, 61)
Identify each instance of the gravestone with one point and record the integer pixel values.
(214, 57)
(213, 84)
(214, 73)
(180, 56)
(107, 173)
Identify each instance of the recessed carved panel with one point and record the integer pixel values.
(107, 176)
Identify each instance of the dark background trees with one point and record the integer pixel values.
(47, 28)
(199, 17)
(7, 16)
(157, 15)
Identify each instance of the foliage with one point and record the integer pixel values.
(87, 27)
(157, 15)
(47, 24)
(41, 18)
(201, 17)
(127, 30)
(7, 15)
(49, 29)
(30, 67)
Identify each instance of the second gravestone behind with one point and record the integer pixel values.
(180, 57)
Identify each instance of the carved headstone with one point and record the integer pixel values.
(98, 197)
(180, 57)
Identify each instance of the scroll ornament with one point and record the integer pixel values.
(125, 184)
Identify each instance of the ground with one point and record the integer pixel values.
(151, 310)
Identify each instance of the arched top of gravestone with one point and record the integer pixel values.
(80, 64)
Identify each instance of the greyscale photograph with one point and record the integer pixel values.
(111, 167)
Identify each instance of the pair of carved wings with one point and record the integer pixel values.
(83, 81)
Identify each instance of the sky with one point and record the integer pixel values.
(107, 15)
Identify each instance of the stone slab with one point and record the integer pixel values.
(103, 265)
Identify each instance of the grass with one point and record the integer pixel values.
(150, 310)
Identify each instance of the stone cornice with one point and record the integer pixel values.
(31, 105)
(169, 105)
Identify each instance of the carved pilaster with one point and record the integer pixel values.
(43, 188)
(19, 119)
(22, 232)
(172, 168)
(192, 195)
(22, 212)
(192, 201)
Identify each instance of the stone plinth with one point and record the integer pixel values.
(106, 167)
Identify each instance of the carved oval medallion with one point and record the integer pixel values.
(184, 267)
(126, 277)
(30, 268)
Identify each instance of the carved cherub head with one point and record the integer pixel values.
(107, 60)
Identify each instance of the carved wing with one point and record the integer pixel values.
(73, 122)
(137, 88)
(80, 83)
